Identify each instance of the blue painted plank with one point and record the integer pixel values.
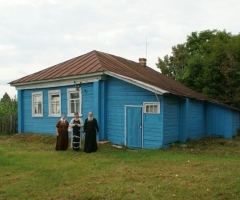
(119, 94)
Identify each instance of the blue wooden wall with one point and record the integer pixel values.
(43, 124)
(219, 121)
(47, 124)
(153, 129)
(196, 119)
(178, 120)
(236, 122)
(119, 94)
(107, 100)
(171, 119)
(20, 111)
(87, 99)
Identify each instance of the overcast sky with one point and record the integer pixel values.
(36, 34)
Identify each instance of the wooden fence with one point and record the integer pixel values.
(9, 124)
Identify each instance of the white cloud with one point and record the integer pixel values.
(36, 34)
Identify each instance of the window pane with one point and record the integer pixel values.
(58, 108)
(37, 98)
(74, 95)
(55, 97)
(147, 109)
(151, 109)
(155, 109)
(72, 107)
(53, 109)
(54, 106)
(74, 102)
(37, 104)
(77, 105)
(38, 108)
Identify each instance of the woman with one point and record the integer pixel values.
(90, 131)
(62, 134)
(76, 124)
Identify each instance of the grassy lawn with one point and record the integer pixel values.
(30, 168)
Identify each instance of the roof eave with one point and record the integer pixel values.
(61, 81)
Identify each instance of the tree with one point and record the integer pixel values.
(6, 98)
(208, 62)
(8, 106)
(173, 66)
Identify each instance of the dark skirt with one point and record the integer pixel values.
(76, 142)
(62, 142)
(90, 142)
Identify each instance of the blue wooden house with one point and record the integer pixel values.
(134, 104)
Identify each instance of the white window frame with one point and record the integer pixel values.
(70, 90)
(145, 104)
(51, 92)
(33, 106)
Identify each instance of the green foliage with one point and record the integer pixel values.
(208, 62)
(173, 66)
(8, 106)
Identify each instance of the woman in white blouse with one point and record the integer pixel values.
(76, 124)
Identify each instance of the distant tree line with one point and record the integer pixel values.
(208, 62)
(8, 106)
(8, 115)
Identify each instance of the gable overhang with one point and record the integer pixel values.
(138, 83)
(58, 82)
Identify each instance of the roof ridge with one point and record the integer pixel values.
(99, 60)
(121, 63)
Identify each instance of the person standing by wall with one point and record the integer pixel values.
(90, 131)
(62, 134)
(76, 123)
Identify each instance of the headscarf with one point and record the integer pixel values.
(63, 120)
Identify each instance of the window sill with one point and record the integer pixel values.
(54, 115)
(72, 115)
(151, 113)
(37, 115)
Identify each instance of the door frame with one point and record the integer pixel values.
(125, 123)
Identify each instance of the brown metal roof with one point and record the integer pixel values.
(96, 61)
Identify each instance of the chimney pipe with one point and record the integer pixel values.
(143, 61)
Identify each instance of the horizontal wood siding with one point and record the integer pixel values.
(103, 111)
(20, 111)
(171, 120)
(43, 124)
(219, 121)
(152, 129)
(87, 99)
(197, 119)
(119, 94)
(47, 124)
(184, 115)
(236, 121)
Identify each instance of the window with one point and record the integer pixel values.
(152, 108)
(74, 102)
(37, 104)
(54, 103)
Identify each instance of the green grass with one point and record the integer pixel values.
(30, 168)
